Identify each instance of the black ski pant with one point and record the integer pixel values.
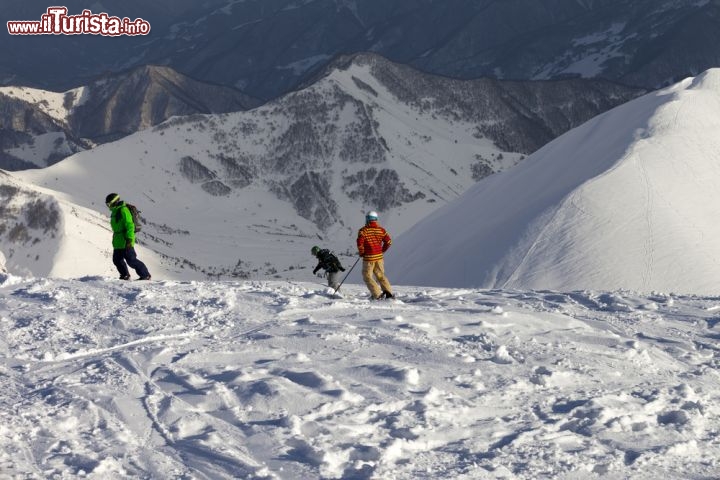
(123, 255)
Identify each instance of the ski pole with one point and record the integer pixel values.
(346, 275)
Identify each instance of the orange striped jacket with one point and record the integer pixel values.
(372, 241)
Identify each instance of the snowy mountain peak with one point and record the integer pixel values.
(627, 200)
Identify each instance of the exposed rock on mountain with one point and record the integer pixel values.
(39, 128)
(30, 227)
(29, 137)
(341, 122)
(516, 116)
(644, 42)
(123, 104)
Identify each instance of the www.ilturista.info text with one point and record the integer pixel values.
(57, 22)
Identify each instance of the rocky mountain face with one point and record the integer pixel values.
(268, 47)
(516, 116)
(39, 128)
(30, 137)
(649, 43)
(342, 125)
(146, 96)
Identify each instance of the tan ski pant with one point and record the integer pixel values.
(373, 273)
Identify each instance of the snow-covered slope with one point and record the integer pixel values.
(34, 131)
(45, 235)
(248, 194)
(58, 105)
(627, 200)
(104, 379)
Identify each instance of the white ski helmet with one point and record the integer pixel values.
(371, 216)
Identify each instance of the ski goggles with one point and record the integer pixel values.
(112, 201)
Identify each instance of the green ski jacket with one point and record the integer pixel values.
(122, 226)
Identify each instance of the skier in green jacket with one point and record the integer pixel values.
(123, 241)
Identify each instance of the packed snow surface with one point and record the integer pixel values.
(628, 200)
(279, 380)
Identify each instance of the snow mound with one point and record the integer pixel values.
(627, 200)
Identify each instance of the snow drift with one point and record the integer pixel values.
(627, 200)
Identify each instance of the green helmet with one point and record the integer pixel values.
(315, 250)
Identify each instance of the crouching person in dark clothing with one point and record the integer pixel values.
(123, 241)
(330, 263)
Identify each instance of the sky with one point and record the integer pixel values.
(101, 378)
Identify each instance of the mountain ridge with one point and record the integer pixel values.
(269, 48)
(304, 167)
(107, 109)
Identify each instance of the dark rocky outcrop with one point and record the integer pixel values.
(322, 145)
(110, 108)
(123, 104)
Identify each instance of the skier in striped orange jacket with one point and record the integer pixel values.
(372, 241)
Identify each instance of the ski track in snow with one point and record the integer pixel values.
(104, 379)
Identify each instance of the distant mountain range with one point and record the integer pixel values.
(122, 104)
(628, 200)
(39, 128)
(269, 47)
(246, 194)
